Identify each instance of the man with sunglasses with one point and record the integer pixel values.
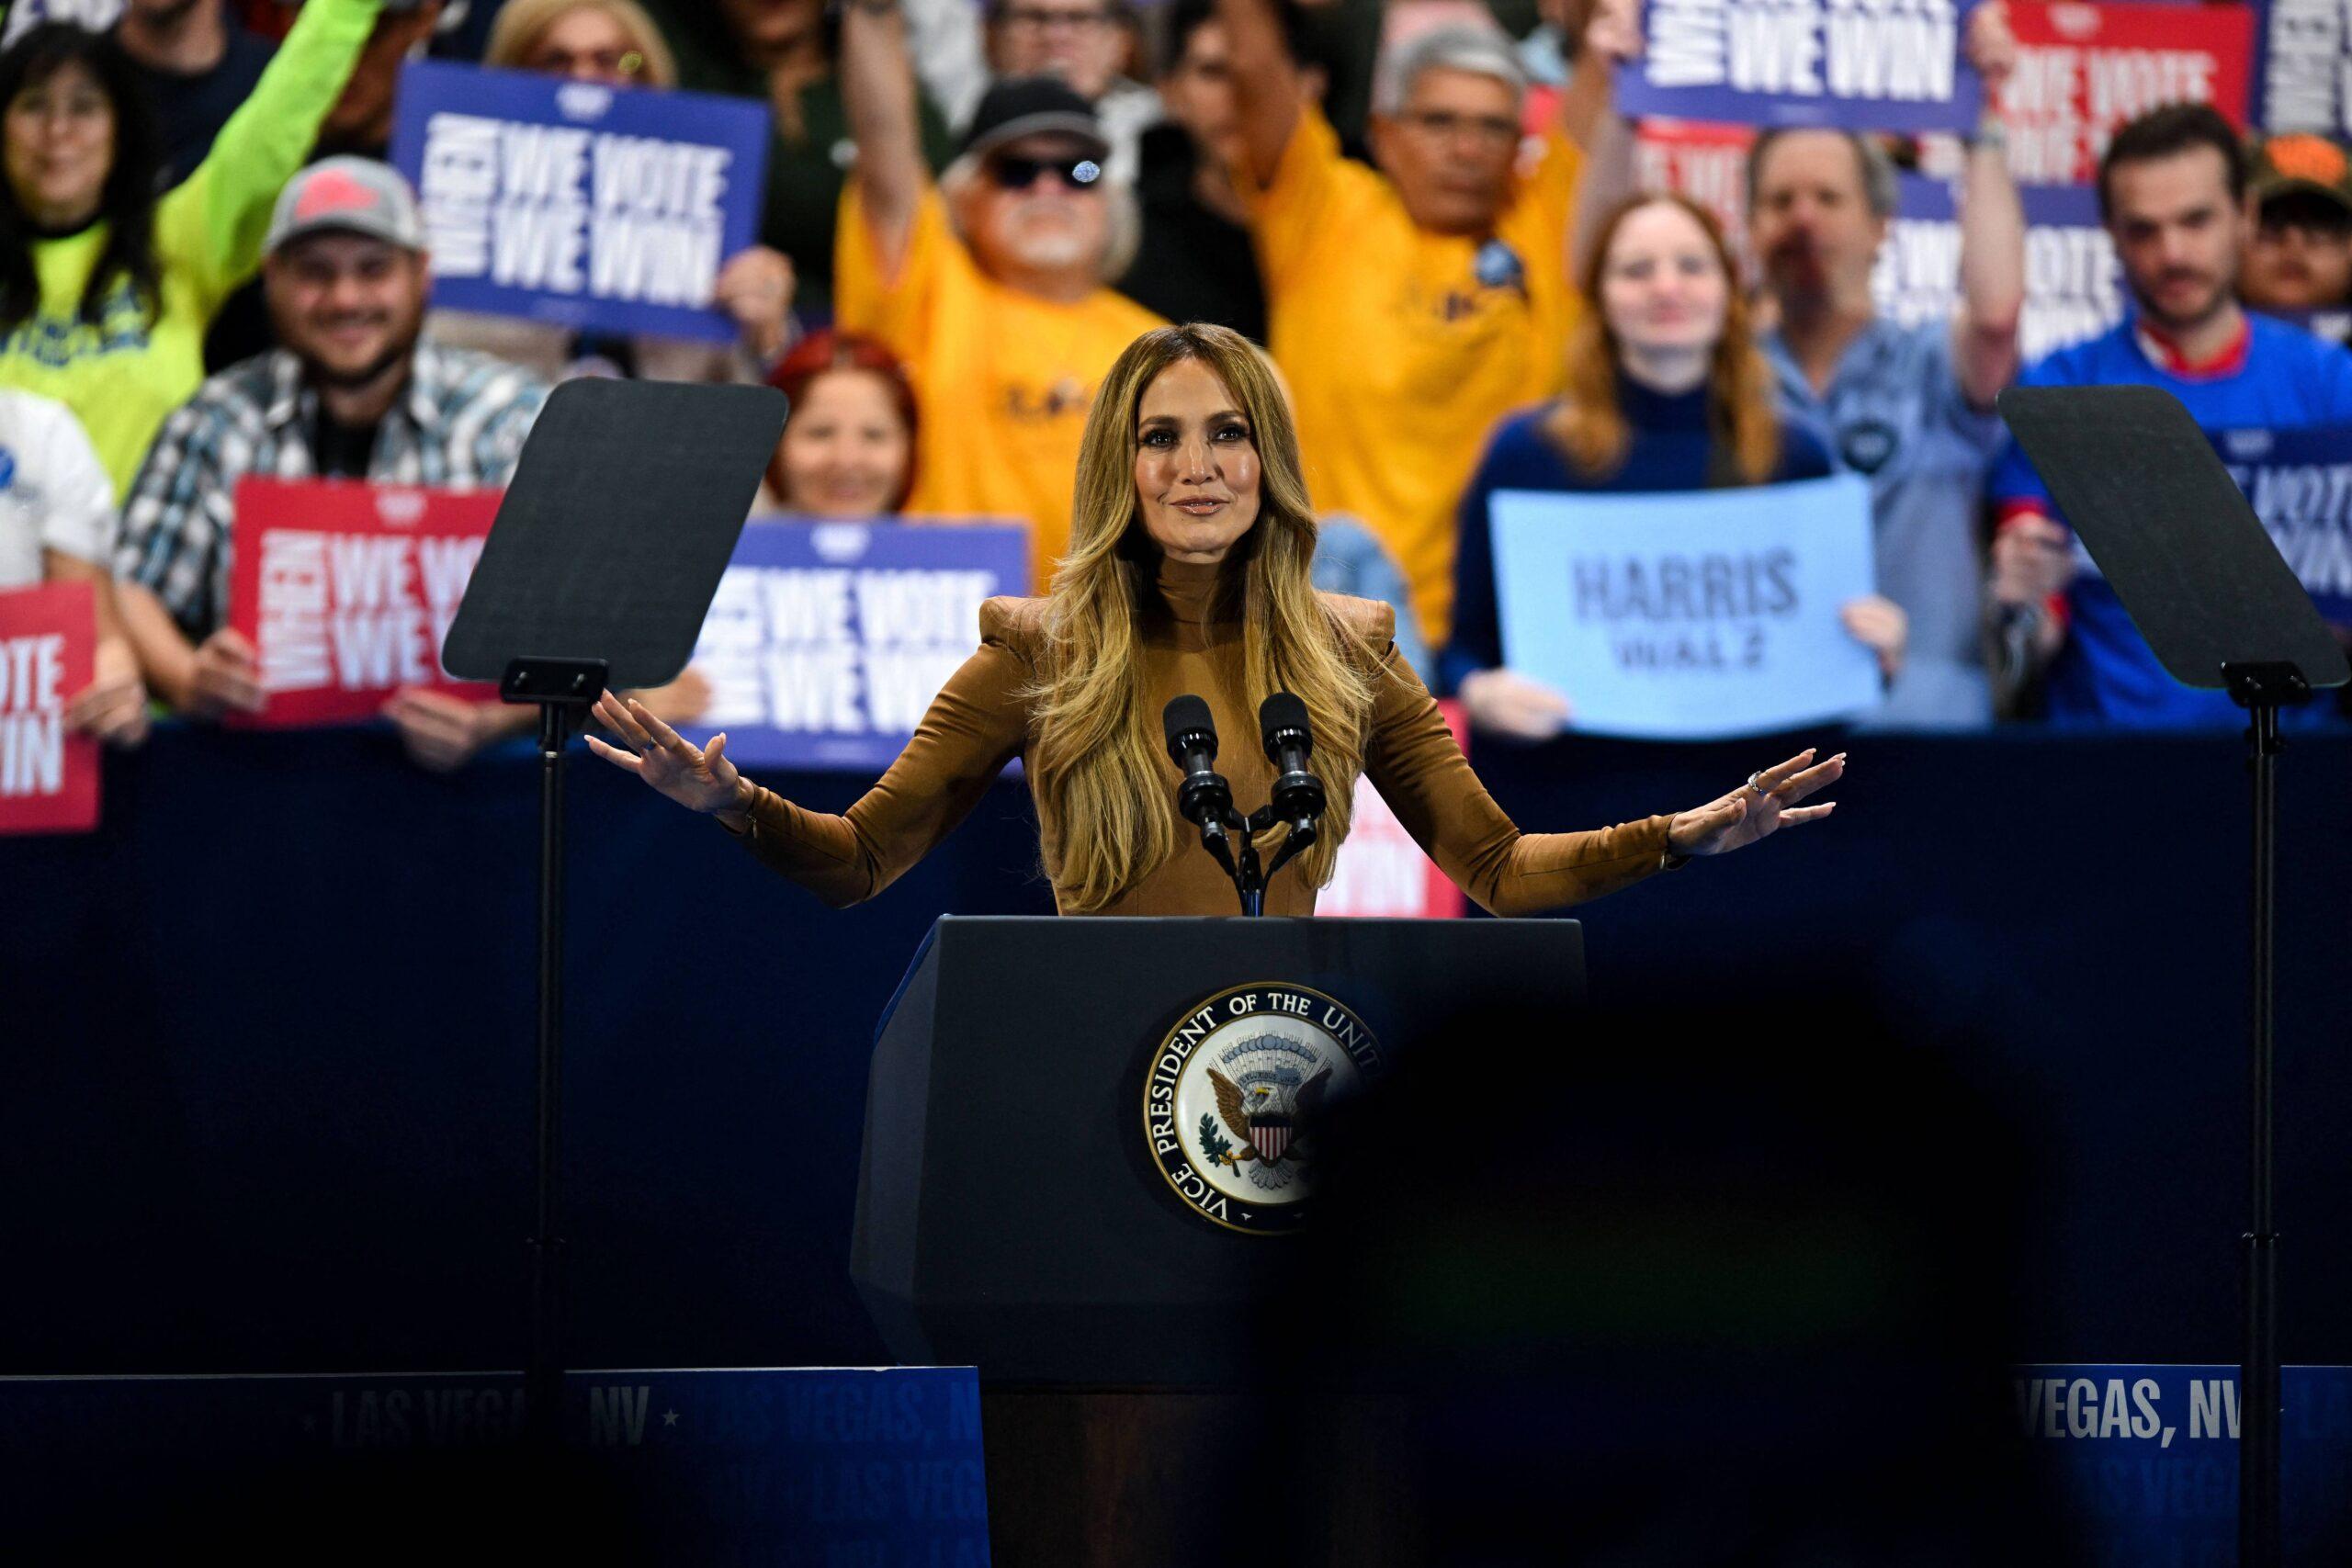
(990, 285)
(1086, 43)
(1414, 306)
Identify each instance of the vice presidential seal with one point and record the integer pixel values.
(1232, 1096)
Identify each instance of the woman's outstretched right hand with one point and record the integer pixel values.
(699, 778)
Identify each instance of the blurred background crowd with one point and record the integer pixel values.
(1428, 211)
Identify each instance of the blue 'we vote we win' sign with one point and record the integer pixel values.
(584, 205)
(1865, 65)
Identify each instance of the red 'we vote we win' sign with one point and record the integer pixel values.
(49, 776)
(346, 590)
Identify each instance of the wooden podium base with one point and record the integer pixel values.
(1094, 1478)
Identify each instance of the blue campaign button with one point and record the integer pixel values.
(1498, 267)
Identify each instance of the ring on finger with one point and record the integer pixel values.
(1755, 786)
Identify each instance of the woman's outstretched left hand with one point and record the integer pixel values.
(1756, 809)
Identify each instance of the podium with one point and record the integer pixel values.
(1019, 1208)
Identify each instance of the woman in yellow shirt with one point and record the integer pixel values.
(106, 291)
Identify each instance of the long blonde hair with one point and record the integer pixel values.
(515, 31)
(1742, 413)
(1099, 771)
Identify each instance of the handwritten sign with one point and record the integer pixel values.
(2074, 285)
(49, 776)
(2084, 69)
(346, 592)
(1864, 65)
(827, 641)
(578, 204)
(1689, 615)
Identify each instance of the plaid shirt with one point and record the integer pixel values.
(459, 425)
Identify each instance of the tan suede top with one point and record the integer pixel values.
(1192, 642)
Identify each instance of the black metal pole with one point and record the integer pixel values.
(2258, 1385)
(543, 1381)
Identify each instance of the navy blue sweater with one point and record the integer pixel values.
(1671, 449)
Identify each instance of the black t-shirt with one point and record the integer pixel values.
(1194, 265)
(342, 451)
(190, 110)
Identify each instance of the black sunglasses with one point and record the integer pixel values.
(1020, 174)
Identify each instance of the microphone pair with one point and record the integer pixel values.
(1205, 799)
(1283, 729)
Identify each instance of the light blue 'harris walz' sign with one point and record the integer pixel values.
(593, 208)
(1693, 615)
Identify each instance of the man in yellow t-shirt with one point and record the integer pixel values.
(990, 285)
(1414, 305)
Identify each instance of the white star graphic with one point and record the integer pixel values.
(668, 1418)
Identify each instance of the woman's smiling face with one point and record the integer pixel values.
(1196, 464)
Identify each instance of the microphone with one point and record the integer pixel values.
(1282, 724)
(1203, 798)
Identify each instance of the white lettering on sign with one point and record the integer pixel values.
(358, 611)
(32, 713)
(559, 210)
(2305, 68)
(2062, 102)
(2072, 285)
(1884, 51)
(835, 650)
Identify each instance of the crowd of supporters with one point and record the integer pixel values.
(1425, 210)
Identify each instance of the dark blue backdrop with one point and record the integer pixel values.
(268, 1037)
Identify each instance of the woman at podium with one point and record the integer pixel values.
(1188, 574)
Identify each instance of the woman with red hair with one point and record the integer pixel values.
(849, 439)
(1666, 391)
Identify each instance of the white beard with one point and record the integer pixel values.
(1059, 248)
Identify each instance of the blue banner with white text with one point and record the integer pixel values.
(1691, 616)
(2300, 484)
(1881, 65)
(827, 640)
(775, 1467)
(2074, 285)
(2302, 67)
(2144, 1458)
(588, 206)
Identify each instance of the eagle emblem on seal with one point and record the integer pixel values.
(1264, 1109)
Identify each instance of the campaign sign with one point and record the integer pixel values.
(2300, 483)
(2303, 80)
(2144, 1458)
(1863, 64)
(578, 204)
(346, 592)
(804, 1467)
(2074, 285)
(2084, 69)
(49, 776)
(95, 16)
(1381, 870)
(1691, 616)
(1706, 163)
(827, 640)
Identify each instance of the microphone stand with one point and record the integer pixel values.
(1218, 835)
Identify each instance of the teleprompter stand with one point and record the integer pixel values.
(598, 571)
(2219, 605)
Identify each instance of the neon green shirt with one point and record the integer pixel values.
(122, 375)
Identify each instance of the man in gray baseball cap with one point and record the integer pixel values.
(353, 391)
(347, 277)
